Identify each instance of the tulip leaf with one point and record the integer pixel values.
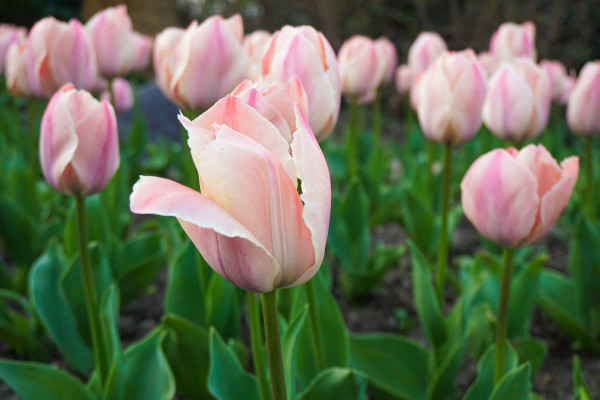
(223, 307)
(523, 291)
(531, 350)
(343, 382)
(19, 234)
(584, 265)
(289, 346)
(514, 385)
(418, 220)
(483, 386)
(580, 387)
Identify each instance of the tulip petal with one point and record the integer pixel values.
(542, 165)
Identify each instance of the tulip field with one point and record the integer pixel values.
(350, 222)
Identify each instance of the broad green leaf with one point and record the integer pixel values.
(584, 265)
(531, 350)
(515, 385)
(580, 387)
(523, 291)
(341, 383)
(289, 346)
(483, 386)
(419, 220)
(109, 319)
(441, 384)
(223, 307)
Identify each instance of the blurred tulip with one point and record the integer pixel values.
(119, 49)
(54, 54)
(568, 86)
(514, 197)
(361, 69)
(255, 44)
(513, 40)
(79, 144)
(583, 109)
(517, 104)
(122, 93)
(415, 92)
(249, 222)
(557, 73)
(451, 94)
(197, 66)
(9, 34)
(425, 50)
(488, 62)
(403, 79)
(305, 52)
(388, 58)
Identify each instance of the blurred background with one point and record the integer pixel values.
(568, 30)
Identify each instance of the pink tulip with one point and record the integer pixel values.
(451, 94)
(255, 44)
(54, 54)
(557, 73)
(276, 102)
(361, 69)
(425, 50)
(403, 79)
(415, 91)
(488, 62)
(583, 109)
(514, 197)
(305, 52)
(79, 145)
(517, 104)
(197, 66)
(512, 40)
(9, 34)
(119, 48)
(122, 93)
(249, 222)
(568, 86)
(388, 58)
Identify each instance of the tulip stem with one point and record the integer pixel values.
(90, 293)
(111, 93)
(352, 140)
(269, 304)
(501, 318)
(315, 325)
(377, 119)
(257, 347)
(443, 245)
(589, 148)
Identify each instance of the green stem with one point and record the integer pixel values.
(111, 93)
(315, 325)
(33, 133)
(443, 245)
(269, 304)
(352, 141)
(589, 150)
(377, 119)
(90, 293)
(501, 321)
(257, 347)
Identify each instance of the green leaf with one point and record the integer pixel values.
(523, 291)
(584, 265)
(223, 307)
(483, 386)
(515, 385)
(98, 226)
(109, 319)
(580, 387)
(227, 380)
(442, 382)
(289, 346)
(419, 220)
(393, 364)
(341, 383)
(531, 350)
(18, 232)
(35, 381)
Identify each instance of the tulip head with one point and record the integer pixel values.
(514, 197)
(403, 79)
(119, 49)
(513, 40)
(451, 94)
(197, 66)
(388, 57)
(79, 144)
(255, 44)
(361, 68)
(425, 50)
(306, 53)
(559, 79)
(249, 222)
(122, 93)
(583, 108)
(9, 34)
(488, 62)
(517, 104)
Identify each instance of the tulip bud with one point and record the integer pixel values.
(122, 93)
(255, 44)
(403, 79)
(488, 62)
(388, 58)
(196, 67)
(451, 94)
(249, 222)
(305, 52)
(512, 40)
(425, 50)
(79, 145)
(583, 109)
(9, 34)
(514, 197)
(414, 93)
(119, 49)
(517, 104)
(557, 73)
(360, 69)
(17, 73)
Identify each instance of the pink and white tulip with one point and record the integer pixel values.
(425, 50)
(124, 97)
(517, 104)
(249, 222)
(255, 44)
(451, 94)
(197, 66)
(305, 52)
(488, 62)
(79, 144)
(513, 40)
(9, 34)
(403, 79)
(559, 79)
(514, 197)
(119, 49)
(361, 69)
(583, 109)
(388, 58)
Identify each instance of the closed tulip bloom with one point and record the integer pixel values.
(197, 66)
(306, 53)
(17, 78)
(513, 40)
(583, 109)
(388, 57)
(488, 62)
(119, 49)
(451, 94)
(414, 93)
(514, 197)
(9, 34)
(425, 50)
(249, 222)
(79, 146)
(255, 44)
(122, 93)
(403, 79)
(557, 73)
(517, 104)
(360, 69)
